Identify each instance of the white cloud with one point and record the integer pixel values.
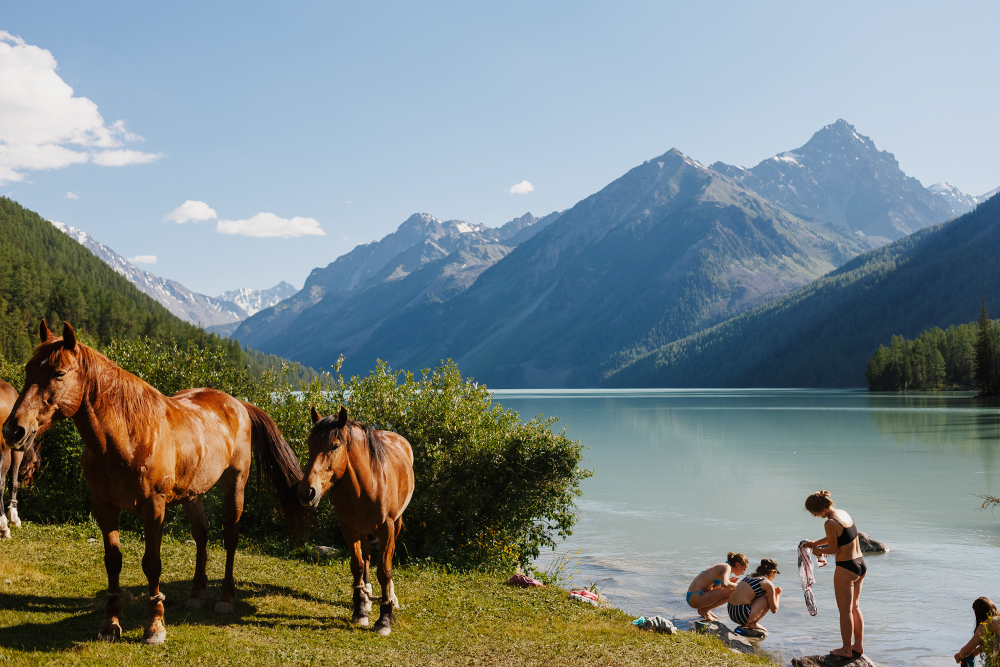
(521, 188)
(143, 259)
(268, 224)
(42, 124)
(123, 157)
(191, 211)
(72, 195)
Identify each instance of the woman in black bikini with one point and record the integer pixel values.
(842, 539)
(754, 596)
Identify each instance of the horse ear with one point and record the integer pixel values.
(44, 335)
(342, 417)
(69, 337)
(316, 416)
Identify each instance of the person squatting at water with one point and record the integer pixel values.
(712, 586)
(987, 623)
(842, 539)
(754, 595)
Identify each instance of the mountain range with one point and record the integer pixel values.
(592, 294)
(823, 334)
(229, 308)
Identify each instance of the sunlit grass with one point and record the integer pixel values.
(52, 591)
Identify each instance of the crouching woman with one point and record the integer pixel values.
(754, 596)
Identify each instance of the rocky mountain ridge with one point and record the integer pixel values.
(840, 176)
(196, 308)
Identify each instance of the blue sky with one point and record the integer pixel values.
(342, 119)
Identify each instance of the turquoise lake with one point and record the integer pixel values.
(683, 476)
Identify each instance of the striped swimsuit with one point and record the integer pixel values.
(740, 613)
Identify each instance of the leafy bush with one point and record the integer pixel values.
(491, 490)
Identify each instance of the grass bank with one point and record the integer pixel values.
(52, 591)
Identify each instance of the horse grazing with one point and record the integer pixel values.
(144, 451)
(20, 464)
(370, 477)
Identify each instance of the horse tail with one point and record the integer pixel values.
(274, 456)
(30, 464)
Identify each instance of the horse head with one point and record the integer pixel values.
(328, 455)
(53, 387)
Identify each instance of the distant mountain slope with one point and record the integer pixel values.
(959, 201)
(178, 299)
(252, 301)
(420, 240)
(667, 249)
(823, 334)
(45, 274)
(840, 176)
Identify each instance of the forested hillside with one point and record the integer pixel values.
(823, 334)
(46, 274)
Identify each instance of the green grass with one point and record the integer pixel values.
(52, 592)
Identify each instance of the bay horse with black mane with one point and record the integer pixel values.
(20, 464)
(144, 451)
(369, 474)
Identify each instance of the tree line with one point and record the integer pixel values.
(962, 357)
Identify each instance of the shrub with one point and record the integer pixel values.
(491, 490)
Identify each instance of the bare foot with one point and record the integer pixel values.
(842, 652)
(755, 626)
(709, 616)
(859, 650)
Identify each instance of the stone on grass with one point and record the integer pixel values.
(325, 552)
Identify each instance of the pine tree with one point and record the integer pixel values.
(986, 355)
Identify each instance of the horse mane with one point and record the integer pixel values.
(376, 447)
(139, 399)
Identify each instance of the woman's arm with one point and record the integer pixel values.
(823, 546)
(726, 573)
(773, 595)
(972, 647)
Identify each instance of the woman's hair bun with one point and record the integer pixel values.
(824, 493)
(733, 558)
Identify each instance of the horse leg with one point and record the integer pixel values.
(387, 545)
(107, 518)
(15, 484)
(153, 517)
(361, 600)
(366, 559)
(195, 512)
(4, 467)
(232, 486)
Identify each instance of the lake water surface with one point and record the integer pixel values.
(683, 476)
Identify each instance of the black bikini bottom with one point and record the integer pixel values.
(856, 565)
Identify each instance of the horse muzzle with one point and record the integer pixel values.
(308, 494)
(16, 436)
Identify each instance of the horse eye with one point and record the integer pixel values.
(59, 375)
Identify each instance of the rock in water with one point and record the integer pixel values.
(833, 661)
(870, 546)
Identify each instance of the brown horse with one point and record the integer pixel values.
(20, 464)
(370, 477)
(144, 451)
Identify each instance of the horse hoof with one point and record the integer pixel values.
(5, 534)
(360, 620)
(154, 637)
(224, 608)
(383, 628)
(195, 603)
(113, 634)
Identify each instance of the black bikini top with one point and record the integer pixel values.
(848, 536)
